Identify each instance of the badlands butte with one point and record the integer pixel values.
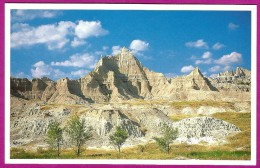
(121, 91)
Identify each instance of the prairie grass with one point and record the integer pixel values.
(180, 116)
(151, 152)
(146, 102)
(76, 109)
(197, 104)
(241, 140)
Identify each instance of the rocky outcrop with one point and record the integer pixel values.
(114, 77)
(157, 81)
(142, 124)
(207, 129)
(123, 77)
(194, 81)
(238, 80)
(24, 88)
(105, 121)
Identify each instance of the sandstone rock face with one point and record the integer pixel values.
(123, 77)
(121, 91)
(114, 77)
(19, 86)
(238, 80)
(194, 81)
(22, 87)
(48, 92)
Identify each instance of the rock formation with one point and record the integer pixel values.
(22, 87)
(238, 80)
(109, 96)
(123, 77)
(141, 124)
(194, 81)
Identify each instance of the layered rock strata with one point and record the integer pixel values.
(123, 77)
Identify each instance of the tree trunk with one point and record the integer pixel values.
(118, 146)
(78, 150)
(58, 150)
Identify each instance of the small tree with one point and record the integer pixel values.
(118, 138)
(169, 135)
(78, 133)
(54, 136)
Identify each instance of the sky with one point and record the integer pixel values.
(68, 43)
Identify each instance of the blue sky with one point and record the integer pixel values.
(68, 43)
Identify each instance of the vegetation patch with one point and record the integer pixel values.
(220, 155)
(151, 152)
(241, 140)
(180, 116)
(197, 104)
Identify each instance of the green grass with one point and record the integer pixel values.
(197, 104)
(151, 152)
(219, 155)
(242, 121)
(180, 116)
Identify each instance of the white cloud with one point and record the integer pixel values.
(208, 61)
(232, 26)
(218, 46)
(193, 57)
(215, 68)
(138, 46)
(78, 60)
(187, 69)
(23, 15)
(206, 55)
(79, 73)
(234, 57)
(197, 44)
(204, 73)
(104, 48)
(86, 29)
(198, 62)
(227, 68)
(56, 73)
(41, 69)
(20, 26)
(53, 35)
(115, 50)
(206, 58)
(100, 53)
(77, 42)
(20, 75)
(170, 75)
(213, 75)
